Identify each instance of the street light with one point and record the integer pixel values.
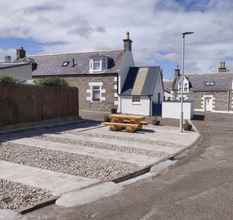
(182, 83)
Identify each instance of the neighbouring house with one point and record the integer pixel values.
(208, 92)
(20, 69)
(142, 92)
(99, 75)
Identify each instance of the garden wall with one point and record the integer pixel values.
(22, 104)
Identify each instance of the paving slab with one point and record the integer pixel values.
(167, 148)
(6, 214)
(140, 160)
(155, 134)
(85, 196)
(56, 183)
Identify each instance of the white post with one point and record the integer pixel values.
(182, 88)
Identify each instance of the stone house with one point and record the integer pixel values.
(208, 92)
(99, 75)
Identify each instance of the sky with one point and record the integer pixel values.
(55, 26)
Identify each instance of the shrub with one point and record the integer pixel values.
(51, 82)
(7, 80)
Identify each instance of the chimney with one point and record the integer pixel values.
(20, 53)
(7, 59)
(222, 67)
(127, 43)
(177, 72)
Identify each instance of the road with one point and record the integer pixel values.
(199, 187)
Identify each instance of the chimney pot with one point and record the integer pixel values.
(20, 53)
(7, 59)
(128, 43)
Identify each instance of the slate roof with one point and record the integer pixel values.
(221, 82)
(141, 81)
(48, 65)
(11, 65)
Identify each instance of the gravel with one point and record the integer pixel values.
(69, 163)
(16, 195)
(108, 146)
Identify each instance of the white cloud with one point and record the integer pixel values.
(155, 26)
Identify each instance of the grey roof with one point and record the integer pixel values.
(52, 64)
(141, 81)
(167, 85)
(11, 65)
(221, 82)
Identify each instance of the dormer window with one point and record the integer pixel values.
(210, 83)
(95, 65)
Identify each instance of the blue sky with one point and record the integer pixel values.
(50, 26)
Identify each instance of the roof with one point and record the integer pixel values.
(11, 65)
(199, 82)
(48, 65)
(167, 85)
(221, 81)
(141, 81)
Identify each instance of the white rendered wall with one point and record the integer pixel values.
(23, 72)
(128, 107)
(173, 109)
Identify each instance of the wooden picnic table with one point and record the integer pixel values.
(131, 123)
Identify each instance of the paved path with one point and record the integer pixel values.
(199, 187)
(56, 183)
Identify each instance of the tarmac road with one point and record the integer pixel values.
(199, 187)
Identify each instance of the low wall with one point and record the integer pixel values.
(173, 109)
(22, 104)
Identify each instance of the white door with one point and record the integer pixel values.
(208, 104)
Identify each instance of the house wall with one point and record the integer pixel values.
(108, 90)
(142, 108)
(222, 100)
(23, 72)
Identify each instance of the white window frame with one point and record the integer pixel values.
(92, 65)
(137, 101)
(90, 92)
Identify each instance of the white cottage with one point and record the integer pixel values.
(142, 92)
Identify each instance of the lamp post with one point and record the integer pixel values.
(182, 83)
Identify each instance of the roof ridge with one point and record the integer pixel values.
(75, 53)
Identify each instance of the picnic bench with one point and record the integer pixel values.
(131, 123)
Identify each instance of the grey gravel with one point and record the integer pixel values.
(103, 145)
(69, 163)
(15, 195)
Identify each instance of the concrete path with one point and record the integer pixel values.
(6, 214)
(54, 182)
(171, 148)
(140, 160)
(200, 187)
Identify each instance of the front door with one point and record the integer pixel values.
(208, 104)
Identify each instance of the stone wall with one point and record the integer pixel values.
(222, 100)
(109, 89)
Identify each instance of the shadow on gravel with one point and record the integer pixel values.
(48, 129)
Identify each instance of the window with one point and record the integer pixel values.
(136, 99)
(186, 87)
(66, 63)
(96, 93)
(95, 65)
(210, 83)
